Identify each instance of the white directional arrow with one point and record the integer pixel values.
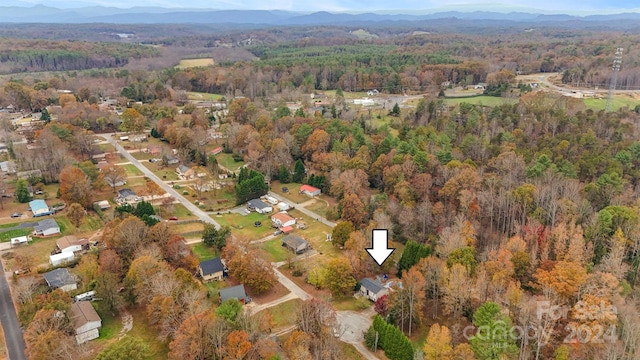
(380, 250)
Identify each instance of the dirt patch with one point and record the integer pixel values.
(277, 292)
(127, 322)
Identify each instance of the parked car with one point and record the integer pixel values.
(277, 232)
(173, 218)
(16, 215)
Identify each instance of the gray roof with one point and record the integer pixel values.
(234, 292)
(123, 193)
(58, 278)
(45, 224)
(257, 204)
(183, 169)
(372, 285)
(211, 266)
(295, 242)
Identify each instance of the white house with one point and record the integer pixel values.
(372, 289)
(61, 258)
(46, 227)
(283, 206)
(282, 219)
(86, 321)
(69, 244)
(259, 206)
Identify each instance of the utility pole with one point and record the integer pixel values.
(615, 68)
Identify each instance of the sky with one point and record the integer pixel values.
(545, 6)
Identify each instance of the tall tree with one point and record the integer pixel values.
(494, 339)
(22, 191)
(76, 213)
(75, 186)
(113, 175)
(214, 237)
(438, 344)
(298, 172)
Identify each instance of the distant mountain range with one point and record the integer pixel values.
(158, 15)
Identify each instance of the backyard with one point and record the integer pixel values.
(227, 161)
(244, 226)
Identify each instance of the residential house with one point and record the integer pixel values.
(212, 269)
(60, 279)
(295, 243)
(373, 92)
(25, 175)
(138, 137)
(283, 206)
(259, 206)
(185, 172)
(61, 258)
(86, 321)
(171, 160)
(126, 196)
(234, 292)
(217, 150)
(46, 227)
(39, 207)
(8, 167)
(103, 204)
(70, 244)
(310, 190)
(154, 149)
(282, 219)
(372, 289)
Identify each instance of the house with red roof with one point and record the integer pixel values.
(310, 190)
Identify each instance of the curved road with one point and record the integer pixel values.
(166, 187)
(12, 331)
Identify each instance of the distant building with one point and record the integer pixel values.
(8, 167)
(217, 150)
(71, 244)
(185, 172)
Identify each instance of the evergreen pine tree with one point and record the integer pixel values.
(298, 172)
(284, 176)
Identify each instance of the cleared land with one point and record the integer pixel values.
(190, 63)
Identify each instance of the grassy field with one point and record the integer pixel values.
(481, 100)
(617, 102)
(350, 352)
(143, 330)
(283, 315)
(203, 252)
(275, 250)
(190, 63)
(351, 303)
(182, 213)
(319, 207)
(186, 228)
(7, 235)
(226, 160)
(293, 194)
(132, 170)
(39, 250)
(243, 226)
(110, 325)
(200, 96)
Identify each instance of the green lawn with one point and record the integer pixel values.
(110, 325)
(142, 329)
(292, 195)
(7, 235)
(227, 161)
(89, 224)
(275, 250)
(132, 170)
(203, 252)
(617, 102)
(200, 96)
(182, 213)
(283, 315)
(481, 100)
(350, 352)
(351, 303)
(243, 226)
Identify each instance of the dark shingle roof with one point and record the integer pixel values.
(45, 224)
(258, 204)
(58, 278)
(123, 193)
(295, 242)
(211, 266)
(234, 292)
(371, 285)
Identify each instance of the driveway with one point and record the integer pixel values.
(167, 188)
(305, 210)
(12, 331)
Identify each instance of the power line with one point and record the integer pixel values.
(615, 68)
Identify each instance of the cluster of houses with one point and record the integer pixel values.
(85, 320)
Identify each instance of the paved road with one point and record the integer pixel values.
(304, 210)
(189, 205)
(12, 332)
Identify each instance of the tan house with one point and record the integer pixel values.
(212, 269)
(86, 321)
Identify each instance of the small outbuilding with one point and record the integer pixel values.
(61, 258)
(20, 240)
